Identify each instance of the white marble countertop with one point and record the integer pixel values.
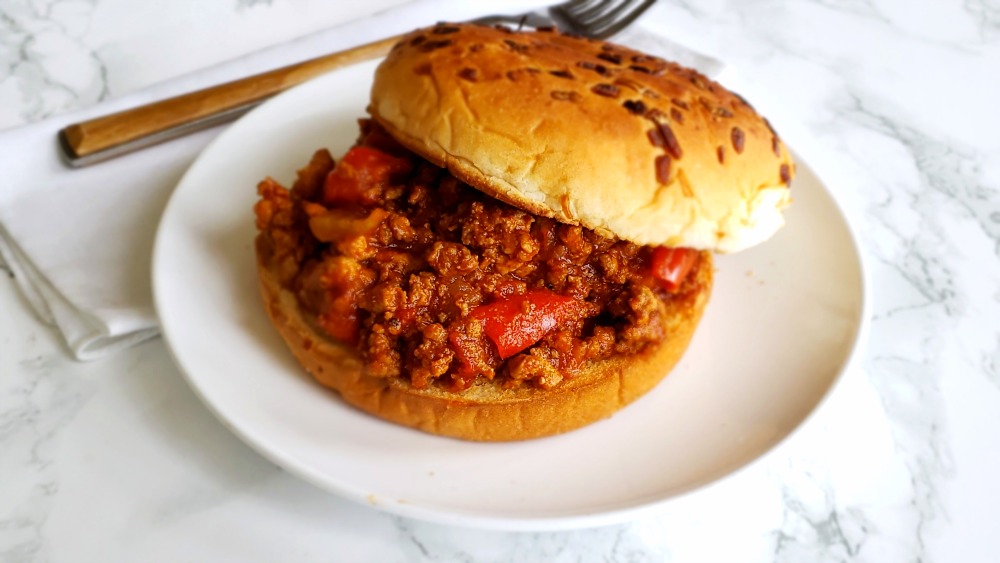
(117, 460)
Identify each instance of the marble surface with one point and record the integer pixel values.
(894, 102)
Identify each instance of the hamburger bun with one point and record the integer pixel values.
(484, 412)
(587, 133)
(583, 132)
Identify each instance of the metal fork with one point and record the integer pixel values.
(598, 19)
(106, 137)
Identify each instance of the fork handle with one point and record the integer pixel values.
(105, 137)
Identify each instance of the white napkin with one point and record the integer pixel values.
(79, 241)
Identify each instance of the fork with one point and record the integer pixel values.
(106, 137)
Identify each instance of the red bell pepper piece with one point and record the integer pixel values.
(343, 326)
(473, 356)
(519, 321)
(361, 174)
(672, 265)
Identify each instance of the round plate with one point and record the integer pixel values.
(783, 323)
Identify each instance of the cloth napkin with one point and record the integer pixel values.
(79, 241)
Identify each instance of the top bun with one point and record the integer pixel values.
(588, 133)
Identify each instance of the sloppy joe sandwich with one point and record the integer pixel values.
(520, 241)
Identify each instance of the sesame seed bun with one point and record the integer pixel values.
(588, 133)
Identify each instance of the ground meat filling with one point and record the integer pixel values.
(434, 281)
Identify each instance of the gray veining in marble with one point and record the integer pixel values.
(33, 411)
(39, 42)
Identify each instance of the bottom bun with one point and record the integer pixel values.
(485, 412)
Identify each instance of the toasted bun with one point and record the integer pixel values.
(567, 128)
(485, 411)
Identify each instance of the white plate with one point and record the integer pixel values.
(783, 323)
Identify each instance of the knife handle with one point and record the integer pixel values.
(112, 135)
